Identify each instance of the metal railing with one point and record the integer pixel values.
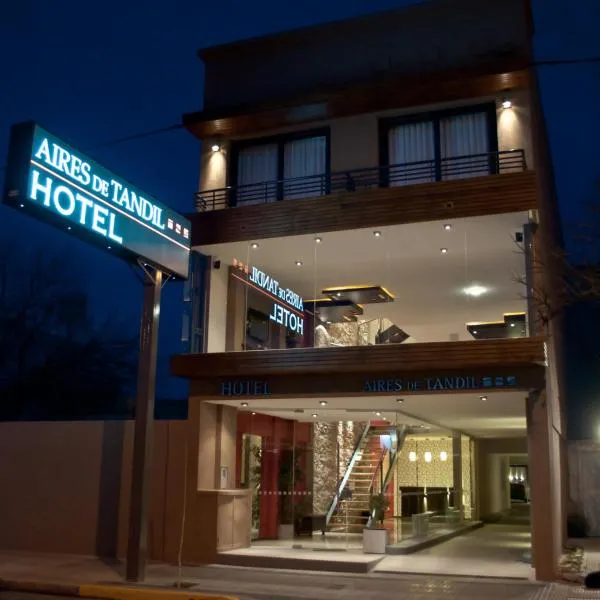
(425, 171)
(342, 484)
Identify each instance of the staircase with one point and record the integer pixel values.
(364, 468)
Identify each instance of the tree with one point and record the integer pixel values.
(55, 360)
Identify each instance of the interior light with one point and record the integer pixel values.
(444, 250)
(475, 291)
(427, 456)
(254, 245)
(215, 147)
(22, 205)
(298, 263)
(108, 247)
(474, 331)
(400, 400)
(253, 413)
(448, 227)
(512, 324)
(244, 404)
(314, 415)
(483, 398)
(412, 456)
(378, 413)
(377, 233)
(318, 240)
(506, 103)
(443, 456)
(69, 229)
(323, 403)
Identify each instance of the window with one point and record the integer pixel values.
(445, 145)
(287, 167)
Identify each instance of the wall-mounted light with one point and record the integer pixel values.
(448, 227)
(318, 240)
(377, 234)
(254, 245)
(475, 290)
(298, 263)
(244, 404)
(427, 456)
(323, 403)
(215, 147)
(412, 456)
(444, 250)
(314, 415)
(506, 103)
(443, 456)
(483, 398)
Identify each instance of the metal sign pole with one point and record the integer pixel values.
(144, 421)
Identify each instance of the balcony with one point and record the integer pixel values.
(407, 174)
(461, 187)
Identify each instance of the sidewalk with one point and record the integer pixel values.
(93, 578)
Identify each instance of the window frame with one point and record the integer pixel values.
(279, 140)
(385, 124)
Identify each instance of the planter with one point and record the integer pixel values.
(286, 532)
(375, 541)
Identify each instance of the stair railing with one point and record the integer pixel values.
(342, 484)
(394, 451)
(378, 471)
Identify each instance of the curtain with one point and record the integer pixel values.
(257, 174)
(409, 144)
(462, 137)
(305, 158)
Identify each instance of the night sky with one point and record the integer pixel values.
(96, 72)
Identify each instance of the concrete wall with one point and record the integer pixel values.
(492, 460)
(355, 140)
(58, 482)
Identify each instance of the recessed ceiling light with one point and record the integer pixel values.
(444, 250)
(448, 227)
(215, 147)
(512, 325)
(254, 245)
(506, 103)
(377, 233)
(400, 400)
(298, 263)
(318, 240)
(314, 415)
(244, 404)
(474, 331)
(483, 398)
(323, 403)
(339, 294)
(475, 290)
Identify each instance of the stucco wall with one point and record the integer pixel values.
(59, 486)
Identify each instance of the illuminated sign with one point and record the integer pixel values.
(433, 384)
(58, 184)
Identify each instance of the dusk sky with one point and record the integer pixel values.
(92, 73)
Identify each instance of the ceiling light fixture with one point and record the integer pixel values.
(483, 398)
(298, 263)
(377, 234)
(448, 227)
(323, 403)
(244, 404)
(506, 103)
(318, 240)
(475, 290)
(314, 415)
(254, 245)
(215, 147)
(474, 331)
(444, 250)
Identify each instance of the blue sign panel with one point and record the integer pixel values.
(63, 186)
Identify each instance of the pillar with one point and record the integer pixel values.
(457, 471)
(545, 483)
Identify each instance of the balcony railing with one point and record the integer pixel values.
(425, 171)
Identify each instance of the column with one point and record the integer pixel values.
(546, 525)
(457, 472)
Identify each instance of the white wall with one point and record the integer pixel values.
(217, 308)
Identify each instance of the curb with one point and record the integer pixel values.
(107, 592)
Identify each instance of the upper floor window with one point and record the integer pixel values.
(436, 146)
(286, 167)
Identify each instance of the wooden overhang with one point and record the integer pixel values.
(490, 365)
(490, 79)
(368, 207)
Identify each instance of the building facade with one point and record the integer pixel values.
(372, 227)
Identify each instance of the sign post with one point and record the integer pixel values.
(137, 544)
(56, 183)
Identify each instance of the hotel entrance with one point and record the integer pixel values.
(330, 472)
